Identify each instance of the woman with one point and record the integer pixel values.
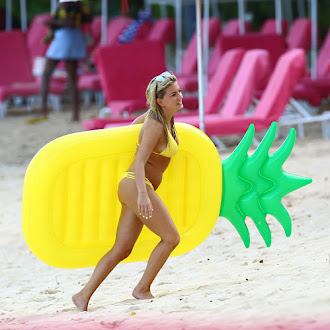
(68, 45)
(140, 204)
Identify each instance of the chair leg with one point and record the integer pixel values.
(326, 127)
(301, 131)
(218, 142)
(99, 98)
(3, 109)
(55, 101)
(87, 96)
(104, 111)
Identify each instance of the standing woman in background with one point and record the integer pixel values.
(68, 45)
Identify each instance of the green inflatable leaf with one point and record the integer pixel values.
(253, 186)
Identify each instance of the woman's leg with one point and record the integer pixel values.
(71, 69)
(49, 68)
(128, 231)
(162, 225)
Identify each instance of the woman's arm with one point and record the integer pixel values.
(140, 119)
(152, 132)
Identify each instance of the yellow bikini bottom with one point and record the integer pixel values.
(131, 175)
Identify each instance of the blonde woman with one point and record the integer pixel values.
(141, 205)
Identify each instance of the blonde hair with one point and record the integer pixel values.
(155, 110)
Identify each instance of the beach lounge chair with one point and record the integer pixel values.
(189, 60)
(314, 90)
(91, 82)
(299, 35)
(216, 93)
(273, 43)
(163, 30)
(231, 28)
(124, 73)
(36, 33)
(289, 69)
(189, 83)
(253, 70)
(269, 27)
(16, 71)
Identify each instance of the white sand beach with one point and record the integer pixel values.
(218, 285)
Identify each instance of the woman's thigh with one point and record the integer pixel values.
(129, 228)
(161, 222)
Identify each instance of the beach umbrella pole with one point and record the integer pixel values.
(278, 15)
(178, 28)
(23, 15)
(200, 66)
(9, 21)
(241, 16)
(52, 5)
(206, 27)
(104, 21)
(314, 39)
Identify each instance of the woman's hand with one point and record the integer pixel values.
(144, 205)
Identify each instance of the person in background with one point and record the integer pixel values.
(67, 44)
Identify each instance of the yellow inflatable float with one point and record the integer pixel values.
(70, 204)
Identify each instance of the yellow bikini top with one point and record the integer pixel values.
(171, 147)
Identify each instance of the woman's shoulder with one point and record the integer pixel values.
(152, 128)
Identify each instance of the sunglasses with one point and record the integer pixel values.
(162, 77)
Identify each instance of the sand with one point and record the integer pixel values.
(218, 285)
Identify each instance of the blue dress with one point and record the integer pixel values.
(68, 44)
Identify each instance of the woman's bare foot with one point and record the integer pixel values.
(80, 302)
(139, 294)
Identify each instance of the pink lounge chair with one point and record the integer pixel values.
(115, 27)
(219, 83)
(299, 35)
(188, 75)
(125, 70)
(253, 69)
(315, 90)
(163, 30)
(189, 83)
(216, 93)
(289, 69)
(95, 30)
(16, 71)
(269, 27)
(189, 60)
(232, 27)
(36, 32)
(274, 44)
(91, 81)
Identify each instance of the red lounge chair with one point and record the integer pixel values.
(91, 81)
(232, 28)
(314, 90)
(163, 30)
(289, 69)
(252, 71)
(269, 27)
(189, 60)
(299, 35)
(95, 30)
(36, 33)
(125, 70)
(190, 83)
(216, 93)
(16, 70)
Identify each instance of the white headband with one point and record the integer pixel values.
(69, 0)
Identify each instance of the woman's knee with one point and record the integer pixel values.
(122, 252)
(173, 240)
